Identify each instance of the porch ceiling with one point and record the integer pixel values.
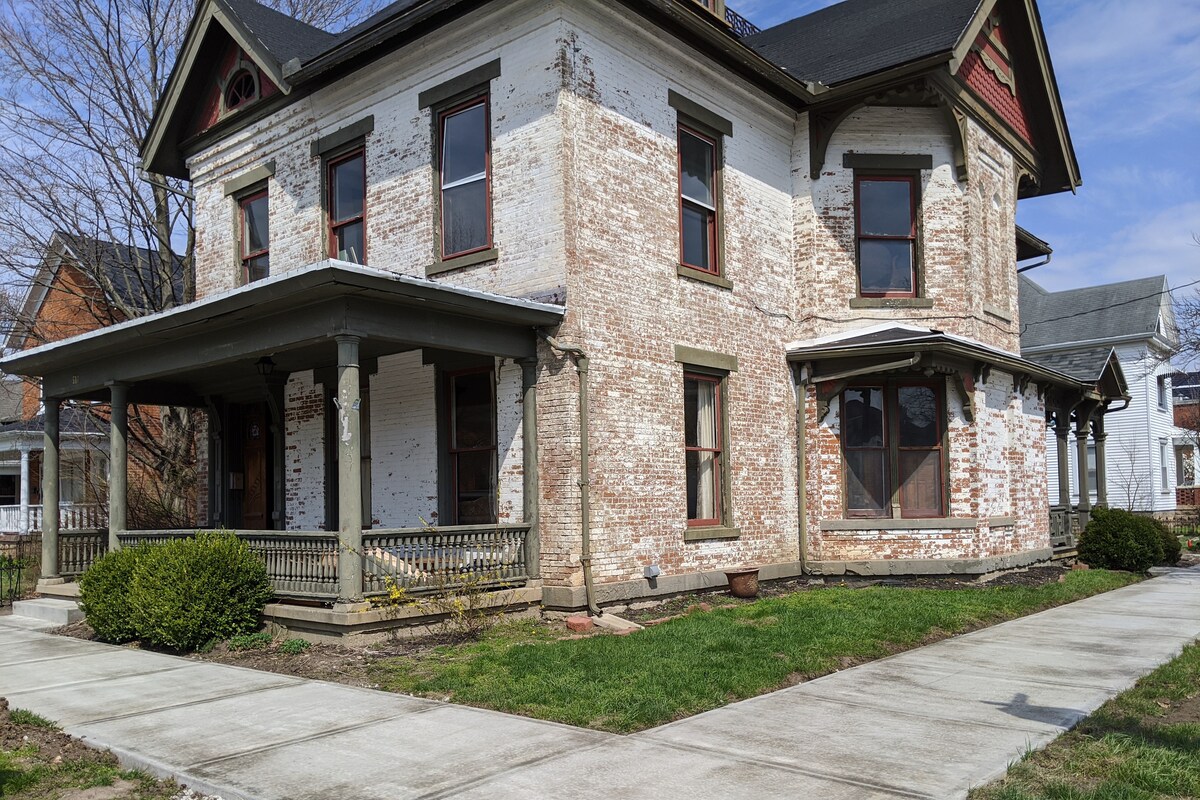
(211, 346)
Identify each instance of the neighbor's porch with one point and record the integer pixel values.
(254, 359)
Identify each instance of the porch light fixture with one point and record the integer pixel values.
(264, 366)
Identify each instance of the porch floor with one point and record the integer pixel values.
(926, 723)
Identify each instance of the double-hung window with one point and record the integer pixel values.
(892, 444)
(705, 448)
(255, 236)
(464, 161)
(886, 230)
(347, 204)
(698, 200)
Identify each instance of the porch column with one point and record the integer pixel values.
(118, 463)
(24, 491)
(1062, 427)
(347, 429)
(1082, 419)
(1099, 436)
(529, 467)
(50, 490)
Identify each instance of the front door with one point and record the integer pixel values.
(256, 494)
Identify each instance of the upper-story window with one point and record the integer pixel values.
(1164, 393)
(255, 236)
(347, 181)
(464, 167)
(241, 88)
(698, 208)
(886, 229)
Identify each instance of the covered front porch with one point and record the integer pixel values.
(362, 429)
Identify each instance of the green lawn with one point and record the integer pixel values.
(1141, 745)
(705, 660)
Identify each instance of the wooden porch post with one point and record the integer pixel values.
(50, 491)
(529, 466)
(346, 431)
(118, 463)
(1062, 427)
(1099, 436)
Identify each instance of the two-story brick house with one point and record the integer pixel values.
(606, 291)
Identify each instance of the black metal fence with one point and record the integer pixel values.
(17, 566)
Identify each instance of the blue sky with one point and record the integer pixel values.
(1129, 75)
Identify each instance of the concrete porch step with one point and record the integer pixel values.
(48, 609)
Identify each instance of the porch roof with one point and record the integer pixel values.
(211, 345)
(891, 339)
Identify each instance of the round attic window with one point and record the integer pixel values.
(241, 89)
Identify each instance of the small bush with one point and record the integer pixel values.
(294, 647)
(250, 641)
(104, 595)
(1117, 539)
(1171, 546)
(189, 591)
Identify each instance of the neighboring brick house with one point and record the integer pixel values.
(1185, 391)
(776, 269)
(81, 284)
(1078, 331)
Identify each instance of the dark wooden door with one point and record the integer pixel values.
(256, 495)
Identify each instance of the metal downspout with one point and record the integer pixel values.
(580, 358)
(801, 444)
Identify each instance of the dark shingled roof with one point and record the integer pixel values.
(70, 420)
(133, 271)
(859, 37)
(283, 36)
(1129, 308)
(1086, 365)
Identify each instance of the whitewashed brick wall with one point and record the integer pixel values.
(404, 442)
(304, 452)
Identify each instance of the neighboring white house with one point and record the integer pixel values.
(1076, 329)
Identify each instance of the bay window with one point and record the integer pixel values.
(886, 231)
(893, 450)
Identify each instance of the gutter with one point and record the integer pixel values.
(580, 357)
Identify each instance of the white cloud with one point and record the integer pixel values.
(1161, 243)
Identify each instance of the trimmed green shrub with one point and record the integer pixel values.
(189, 591)
(104, 595)
(1118, 539)
(1171, 546)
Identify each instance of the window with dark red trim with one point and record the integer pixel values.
(241, 88)
(886, 226)
(464, 168)
(471, 446)
(255, 236)
(347, 206)
(698, 200)
(894, 451)
(704, 448)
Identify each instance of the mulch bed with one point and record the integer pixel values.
(52, 744)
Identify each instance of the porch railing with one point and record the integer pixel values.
(71, 517)
(431, 559)
(78, 550)
(1062, 528)
(304, 564)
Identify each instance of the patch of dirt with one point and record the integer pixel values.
(52, 744)
(719, 598)
(1187, 712)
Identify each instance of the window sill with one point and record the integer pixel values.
(699, 534)
(703, 277)
(891, 302)
(469, 260)
(889, 524)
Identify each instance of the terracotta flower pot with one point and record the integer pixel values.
(743, 582)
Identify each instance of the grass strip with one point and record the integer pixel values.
(1141, 745)
(705, 660)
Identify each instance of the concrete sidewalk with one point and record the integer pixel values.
(928, 723)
